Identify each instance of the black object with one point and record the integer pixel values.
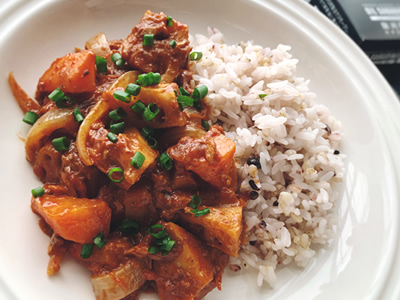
(374, 25)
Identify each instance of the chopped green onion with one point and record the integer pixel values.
(130, 226)
(168, 246)
(185, 100)
(61, 143)
(156, 78)
(163, 241)
(100, 240)
(117, 59)
(169, 21)
(205, 125)
(86, 251)
(133, 89)
(199, 213)
(118, 171)
(173, 43)
(153, 250)
(149, 79)
(65, 102)
(197, 105)
(150, 112)
(158, 234)
(165, 161)
(148, 40)
(38, 192)
(183, 92)
(56, 95)
(262, 96)
(138, 160)
(122, 96)
(117, 114)
(200, 92)
(101, 64)
(196, 55)
(117, 128)
(138, 107)
(152, 142)
(146, 132)
(78, 115)
(111, 136)
(146, 79)
(195, 201)
(115, 56)
(30, 117)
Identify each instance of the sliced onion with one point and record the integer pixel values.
(124, 80)
(99, 45)
(96, 114)
(173, 135)
(51, 121)
(119, 283)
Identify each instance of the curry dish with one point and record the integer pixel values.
(137, 186)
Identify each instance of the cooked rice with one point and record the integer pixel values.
(293, 137)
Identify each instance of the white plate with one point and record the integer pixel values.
(362, 262)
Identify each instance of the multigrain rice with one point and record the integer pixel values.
(255, 96)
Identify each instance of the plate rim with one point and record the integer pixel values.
(298, 7)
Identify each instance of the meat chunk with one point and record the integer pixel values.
(160, 57)
(72, 73)
(210, 157)
(81, 180)
(106, 259)
(107, 155)
(168, 200)
(74, 219)
(183, 179)
(139, 206)
(134, 204)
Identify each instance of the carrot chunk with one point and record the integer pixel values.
(74, 219)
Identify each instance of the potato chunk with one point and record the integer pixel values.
(221, 228)
(72, 73)
(164, 96)
(210, 157)
(74, 219)
(189, 273)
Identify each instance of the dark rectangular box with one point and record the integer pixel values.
(374, 25)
